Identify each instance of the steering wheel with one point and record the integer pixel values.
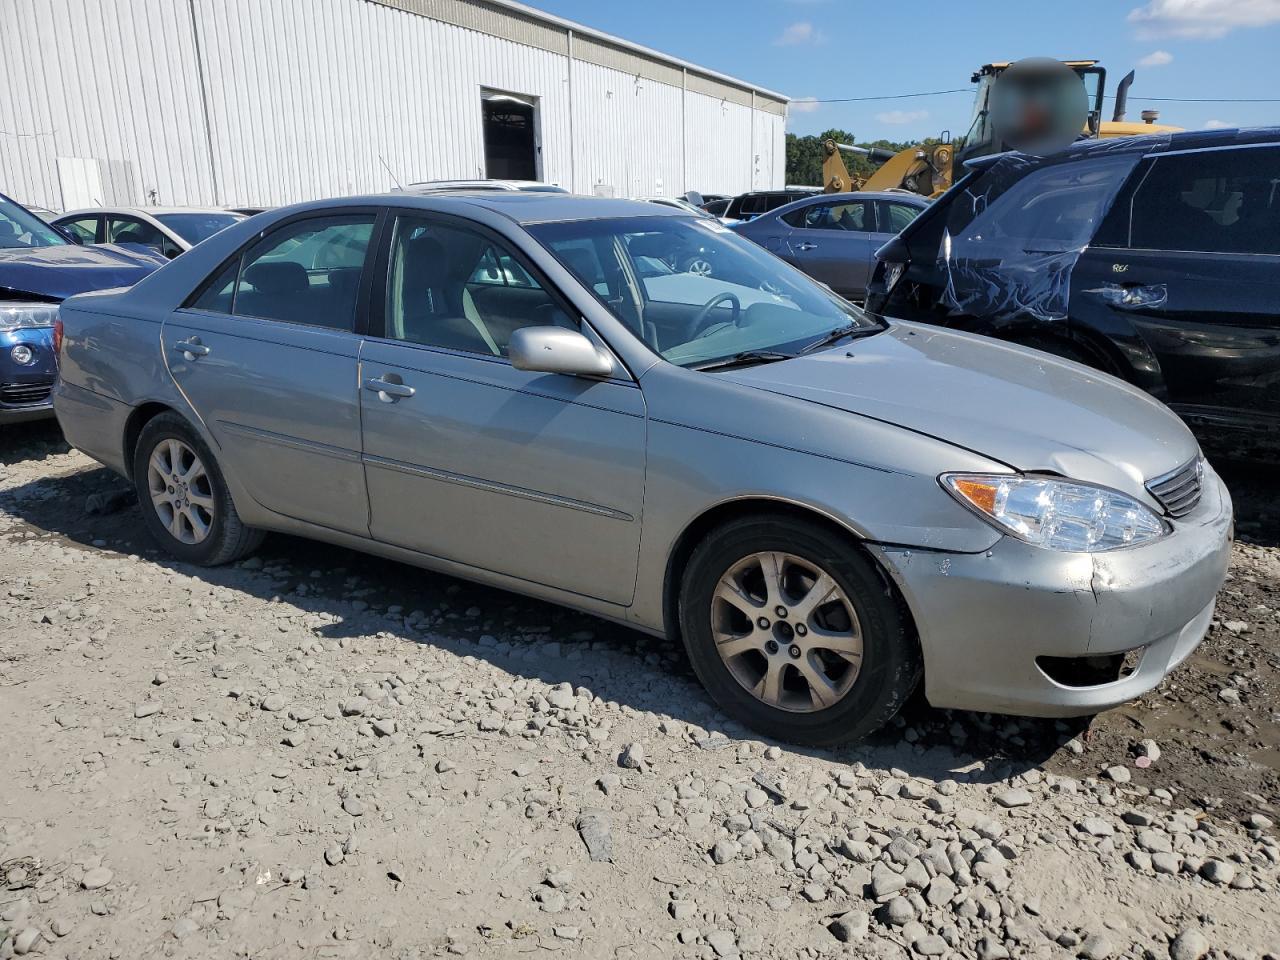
(701, 316)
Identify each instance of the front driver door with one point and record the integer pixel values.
(535, 476)
(832, 243)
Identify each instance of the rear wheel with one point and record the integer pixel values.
(794, 633)
(184, 499)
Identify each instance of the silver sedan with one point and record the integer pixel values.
(528, 391)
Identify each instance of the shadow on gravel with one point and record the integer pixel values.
(622, 665)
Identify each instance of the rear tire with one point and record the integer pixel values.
(777, 657)
(183, 497)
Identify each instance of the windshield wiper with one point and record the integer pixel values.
(743, 359)
(852, 330)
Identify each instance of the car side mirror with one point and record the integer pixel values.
(557, 350)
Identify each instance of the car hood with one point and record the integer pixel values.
(1026, 409)
(55, 273)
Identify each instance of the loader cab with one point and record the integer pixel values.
(981, 140)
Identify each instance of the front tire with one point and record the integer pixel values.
(795, 633)
(183, 497)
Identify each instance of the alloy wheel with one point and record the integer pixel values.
(181, 492)
(787, 632)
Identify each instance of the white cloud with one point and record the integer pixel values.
(1220, 125)
(902, 116)
(1157, 58)
(1201, 19)
(804, 105)
(798, 33)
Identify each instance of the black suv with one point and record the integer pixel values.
(1155, 258)
(747, 205)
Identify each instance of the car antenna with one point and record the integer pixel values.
(399, 185)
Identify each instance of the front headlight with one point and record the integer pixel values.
(21, 316)
(1056, 514)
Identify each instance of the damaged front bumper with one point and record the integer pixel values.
(1024, 630)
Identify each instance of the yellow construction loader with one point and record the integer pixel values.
(927, 169)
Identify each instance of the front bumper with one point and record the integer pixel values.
(986, 620)
(26, 389)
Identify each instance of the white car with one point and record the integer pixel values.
(448, 186)
(168, 230)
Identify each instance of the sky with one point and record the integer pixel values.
(827, 49)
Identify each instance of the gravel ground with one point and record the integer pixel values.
(316, 753)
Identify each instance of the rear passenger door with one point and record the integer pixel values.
(535, 476)
(268, 353)
(1189, 261)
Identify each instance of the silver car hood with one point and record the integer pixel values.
(1023, 408)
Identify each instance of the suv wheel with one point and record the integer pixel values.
(793, 633)
(184, 500)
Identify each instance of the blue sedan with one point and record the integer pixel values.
(39, 267)
(834, 237)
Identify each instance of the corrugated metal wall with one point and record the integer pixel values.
(274, 101)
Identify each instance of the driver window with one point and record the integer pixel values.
(835, 216)
(452, 287)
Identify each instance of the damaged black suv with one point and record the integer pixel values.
(1156, 259)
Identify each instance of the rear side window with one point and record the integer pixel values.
(306, 272)
(753, 203)
(1224, 201)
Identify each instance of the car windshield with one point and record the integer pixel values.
(21, 228)
(194, 227)
(694, 291)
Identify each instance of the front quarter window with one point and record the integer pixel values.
(694, 291)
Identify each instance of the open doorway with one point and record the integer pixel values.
(510, 136)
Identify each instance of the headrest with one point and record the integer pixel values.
(278, 277)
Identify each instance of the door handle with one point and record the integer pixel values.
(389, 391)
(806, 246)
(191, 349)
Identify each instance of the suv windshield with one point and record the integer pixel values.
(18, 228)
(194, 227)
(694, 291)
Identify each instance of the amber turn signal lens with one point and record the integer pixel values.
(981, 494)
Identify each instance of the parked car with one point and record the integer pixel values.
(834, 237)
(1156, 259)
(748, 205)
(44, 213)
(169, 231)
(717, 208)
(519, 186)
(39, 266)
(678, 204)
(823, 505)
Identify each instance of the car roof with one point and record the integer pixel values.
(1155, 143)
(146, 211)
(524, 208)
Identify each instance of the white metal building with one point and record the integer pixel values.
(236, 102)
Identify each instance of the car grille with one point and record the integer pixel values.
(1179, 491)
(25, 394)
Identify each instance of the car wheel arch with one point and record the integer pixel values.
(756, 507)
(142, 414)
